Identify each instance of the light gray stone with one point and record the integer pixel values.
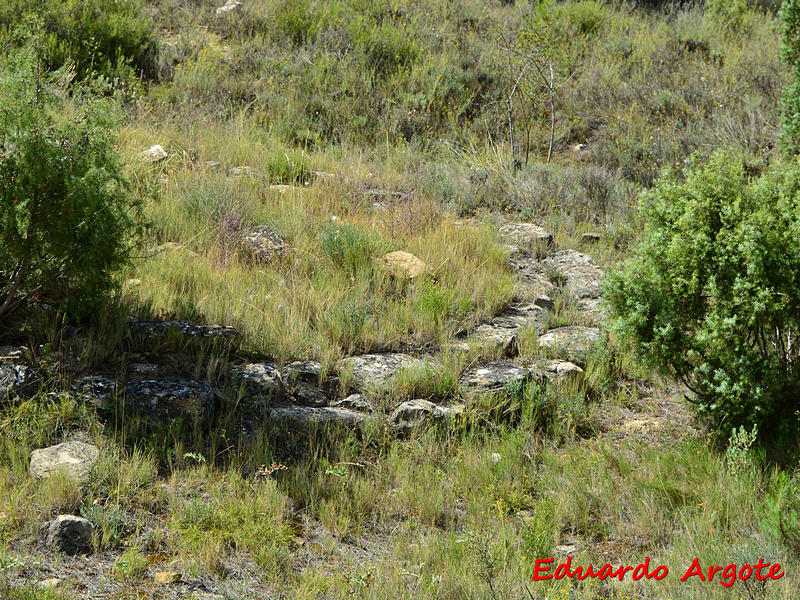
(571, 343)
(17, 382)
(527, 239)
(262, 379)
(73, 458)
(357, 402)
(171, 397)
(306, 415)
(580, 271)
(188, 329)
(263, 244)
(522, 314)
(376, 370)
(491, 377)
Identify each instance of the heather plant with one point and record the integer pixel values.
(64, 202)
(710, 293)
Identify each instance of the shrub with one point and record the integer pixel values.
(348, 248)
(711, 293)
(114, 39)
(790, 52)
(64, 204)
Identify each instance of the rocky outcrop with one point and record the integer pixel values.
(261, 379)
(170, 397)
(95, 389)
(557, 371)
(74, 459)
(532, 279)
(17, 382)
(187, 329)
(581, 274)
(357, 402)
(571, 343)
(263, 244)
(69, 534)
(492, 377)
(492, 337)
(413, 413)
(522, 314)
(527, 239)
(309, 416)
(376, 370)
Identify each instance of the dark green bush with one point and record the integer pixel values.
(112, 38)
(711, 294)
(64, 204)
(790, 52)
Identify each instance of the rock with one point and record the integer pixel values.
(307, 394)
(566, 549)
(545, 302)
(73, 458)
(154, 154)
(49, 584)
(143, 369)
(522, 314)
(404, 264)
(571, 343)
(263, 379)
(412, 413)
(532, 280)
(167, 577)
(491, 377)
(496, 458)
(95, 389)
(302, 370)
(557, 371)
(242, 171)
(527, 239)
(490, 336)
(643, 425)
(591, 238)
(305, 415)
(283, 189)
(263, 244)
(12, 353)
(153, 329)
(211, 164)
(70, 534)
(376, 370)
(170, 397)
(17, 382)
(580, 272)
(592, 309)
(357, 402)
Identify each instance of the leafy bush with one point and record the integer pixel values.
(711, 293)
(64, 204)
(348, 248)
(790, 52)
(114, 39)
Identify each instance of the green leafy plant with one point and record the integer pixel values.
(790, 52)
(710, 295)
(65, 206)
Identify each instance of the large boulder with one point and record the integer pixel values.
(171, 397)
(571, 343)
(263, 244)
(491, 377)
(308, 371)
(376, 370)
(16, 382)
(527, 239)
(581, 274)
(75, 459)
(262, 379)
(69, 534)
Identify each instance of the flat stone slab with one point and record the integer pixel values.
(152, 329)
(571, 343)
(306, 415)
(413, 413)
(592, 310)
(580, 271)
(259, 378)
(532, 279)
(171, 397)
(490, 336)
(263, 244)
(17, 382)
(75, 459)
(376, 370)
(522, 314)
(557, 371)
(302, 370)
(527, 239)
(491, 377)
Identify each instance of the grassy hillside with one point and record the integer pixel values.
(351, 130)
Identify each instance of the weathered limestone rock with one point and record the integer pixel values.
(73, 458)
(167, 577)
(70, 534)
(263, 379)
(490, 336)
(153, 329)
(357, 402)
(170, 397)
(154, 154)
(405, 264)
(12, 353)
(491, 377)
(557, 371)
(305, 415)
(591, 237)
(263, 244)
(527, 239)
(242, 171)
(571, 343)
(228, 7)
(308, 371)
(532, 279)
(522, 314)
(581, 273)
(308, 394)
(17, 382)
(412, 413)
(593, 311)
(376, 370)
